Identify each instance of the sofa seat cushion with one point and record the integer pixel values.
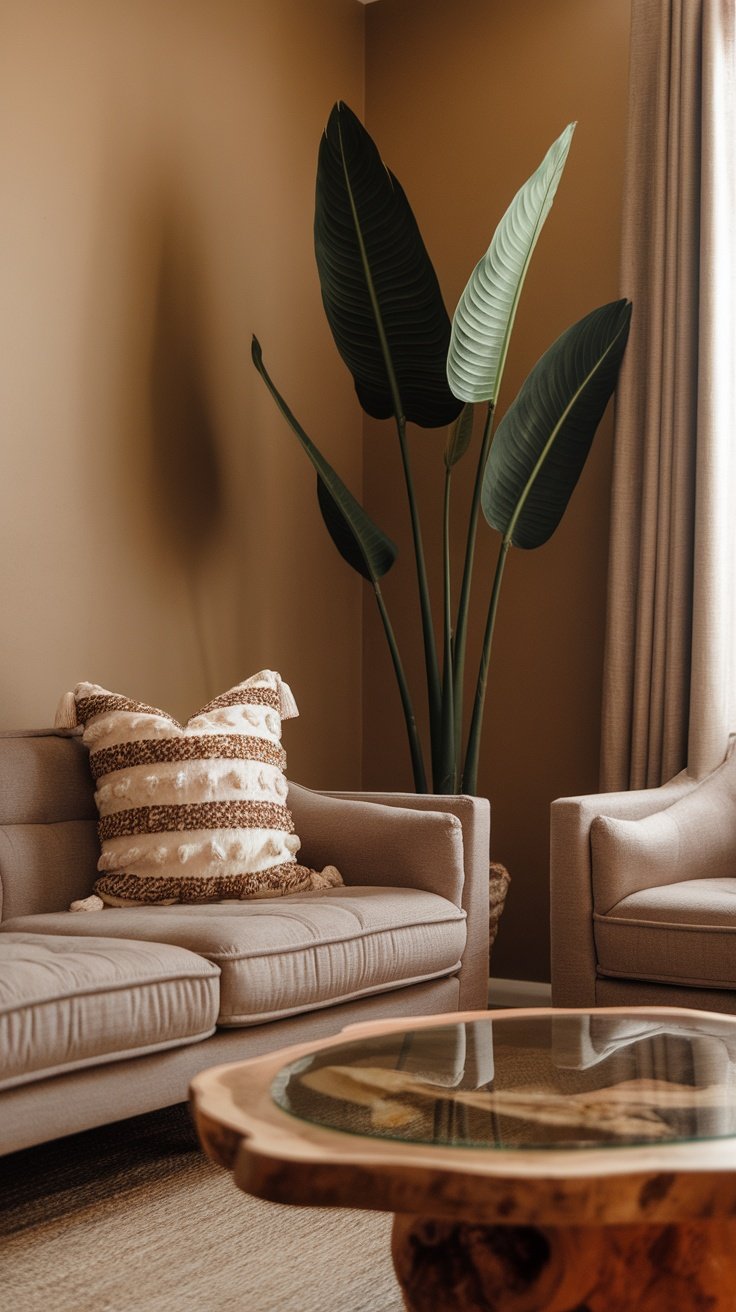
(682, 933)
(68, 1001)
(309, 950)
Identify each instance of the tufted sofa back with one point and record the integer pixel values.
(48, 829)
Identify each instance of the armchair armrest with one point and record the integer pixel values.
(418, 840)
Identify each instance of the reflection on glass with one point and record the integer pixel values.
(545, 1081)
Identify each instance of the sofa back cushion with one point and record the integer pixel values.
(48, 833)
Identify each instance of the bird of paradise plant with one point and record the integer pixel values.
(410, 364)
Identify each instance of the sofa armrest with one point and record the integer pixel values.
(372, 843)
(422, 840)
(571, 879)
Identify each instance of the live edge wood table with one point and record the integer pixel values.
(536, 1160)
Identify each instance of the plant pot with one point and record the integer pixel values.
(498, 884)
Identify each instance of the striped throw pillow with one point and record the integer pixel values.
(194, 812)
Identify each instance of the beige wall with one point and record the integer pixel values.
(464, 99)
(158, 525)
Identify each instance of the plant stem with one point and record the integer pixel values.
(470, 769)
(434, 698)
(415, 748)
(461, 630)
(447, 782)
(430, 650)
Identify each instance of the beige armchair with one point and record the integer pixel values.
(643, 895)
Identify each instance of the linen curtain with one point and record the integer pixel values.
(669, 663)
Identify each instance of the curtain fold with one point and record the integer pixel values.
(668, 675)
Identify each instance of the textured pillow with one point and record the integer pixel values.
(194, 812)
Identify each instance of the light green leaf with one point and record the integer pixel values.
(484, 318)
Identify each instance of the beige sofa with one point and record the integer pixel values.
(107, 1014)
(643, 895)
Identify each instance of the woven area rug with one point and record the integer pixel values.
(134, 1218)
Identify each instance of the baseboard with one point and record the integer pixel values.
(519, 993)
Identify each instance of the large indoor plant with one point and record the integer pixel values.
(411, 365)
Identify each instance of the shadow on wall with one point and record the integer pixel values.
(186, 478)
(186, 483)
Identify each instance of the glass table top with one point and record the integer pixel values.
(544, 1081)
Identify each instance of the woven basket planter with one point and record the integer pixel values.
(498, 884)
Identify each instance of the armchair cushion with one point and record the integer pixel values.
(682, 933)
(678, 934)
(693, 838)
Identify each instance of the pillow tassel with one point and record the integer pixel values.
(287, 705)
(329, 877)
(66, 712)
(91, 903)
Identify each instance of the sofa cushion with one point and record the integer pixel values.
(48, 835)
(69, 1001)
(310, 950)
(682, 933)
(194, 812)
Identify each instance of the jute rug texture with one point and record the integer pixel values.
(133, 1218)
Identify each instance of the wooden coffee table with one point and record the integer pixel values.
(536, 1160)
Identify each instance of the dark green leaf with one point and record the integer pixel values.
(544, 438)
(360, 542)
(379, 289)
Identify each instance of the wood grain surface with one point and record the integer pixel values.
(684, 1268)
(278, 1157)
(597, 1229)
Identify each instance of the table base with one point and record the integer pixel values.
(445, 1267)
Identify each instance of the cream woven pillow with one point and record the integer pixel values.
(194, 812)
